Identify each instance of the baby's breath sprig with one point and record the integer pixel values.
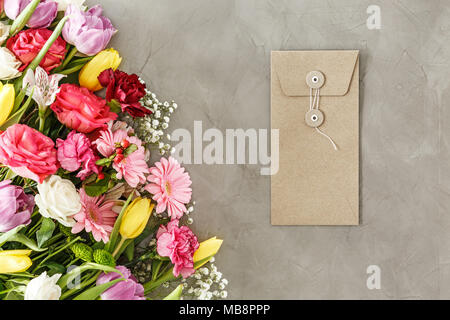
(152, 129)
(207, 283)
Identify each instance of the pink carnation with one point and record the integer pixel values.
(132, 167)
(76, 152)
(170, 187)
(96, 216)
(180, 244)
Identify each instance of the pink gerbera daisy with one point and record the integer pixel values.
(170, 187)
(132, 168)
(96, 216)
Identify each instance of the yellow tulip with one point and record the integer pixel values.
(7, 96)
(135, 218)
(106, 59)
(207, 248)
(12, 261)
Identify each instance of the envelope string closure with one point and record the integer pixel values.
(317, 116)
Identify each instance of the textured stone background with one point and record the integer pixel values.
(212, 57)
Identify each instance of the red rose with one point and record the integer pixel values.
(126, 89)
(27, 44)
(80, 109)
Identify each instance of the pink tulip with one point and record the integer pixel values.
(129, 289)
(16, 208)
(42, 17)
(88, 31)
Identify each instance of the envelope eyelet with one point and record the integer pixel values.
(315, 79)
(314, 118)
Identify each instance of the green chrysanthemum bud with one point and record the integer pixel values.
(65, 230)
(104, 257)
(82, 251)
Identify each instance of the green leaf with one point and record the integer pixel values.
(94, 292)
(168, 276)
(54, 268)
(45, 232)
(129, 251)
(26, 241)
(103, 162)
(132, 148)
(98, 188)
(114, 234)
(19, 99)
(115, 106)
(4, 237)
(175, 294)
(69, 276)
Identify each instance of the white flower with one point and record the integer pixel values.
(45, 87)
(58, 199)
(9, 65)
(43, 288)
(63, 4)
(4, 32)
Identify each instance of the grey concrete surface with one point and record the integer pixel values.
(212, 58)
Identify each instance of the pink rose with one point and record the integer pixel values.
(178, 243)
(28, 152)
(80, 109)
(76, 152)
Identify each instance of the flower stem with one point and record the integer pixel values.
(56, 252)
(41, 119)
(69, 57)
(122, 241)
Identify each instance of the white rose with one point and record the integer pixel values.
(43, 288)
(9, 65)
(58, 199)
(63, 4)
(4, 32)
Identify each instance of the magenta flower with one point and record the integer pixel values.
(76, 152)
(88, 31)
(129, 289)
(180, 244)
(16, 206)
(170, 187)
(42, 17)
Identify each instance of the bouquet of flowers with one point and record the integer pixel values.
(84, 213)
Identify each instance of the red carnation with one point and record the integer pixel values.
(125, 89)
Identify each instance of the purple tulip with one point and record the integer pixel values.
(128, 289)
(16, 208)
(88, 31)
(42, 17)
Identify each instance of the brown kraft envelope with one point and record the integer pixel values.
(315, 184)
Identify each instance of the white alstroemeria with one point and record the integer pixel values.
(45, 86)
(9, 65)
(4, 32)
(58, 199)
(43, 288)
(63, 4)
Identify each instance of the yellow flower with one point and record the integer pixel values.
(7, 96)
(207, 248)
(12, 261)
(106, 59)
(135, 218)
